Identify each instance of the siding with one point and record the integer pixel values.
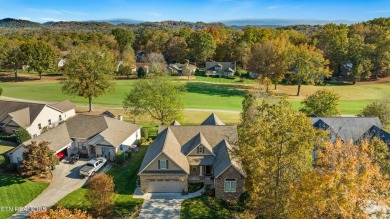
(43, 117)
(154, 164)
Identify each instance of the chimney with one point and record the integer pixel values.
(120, 117)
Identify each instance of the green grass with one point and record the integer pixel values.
(125, 183)
(201, 95)
(224, 80)
(6, 146)
(206, 207)
(16, 191)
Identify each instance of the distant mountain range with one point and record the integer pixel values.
(109, 24)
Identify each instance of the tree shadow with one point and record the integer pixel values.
(223, 90)
(7, 179)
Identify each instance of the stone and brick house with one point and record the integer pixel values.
(192, 154)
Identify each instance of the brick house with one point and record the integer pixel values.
(193, 154)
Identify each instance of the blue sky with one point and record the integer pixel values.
(194, 10)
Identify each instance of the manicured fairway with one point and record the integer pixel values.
(17, 192)
(204, 95)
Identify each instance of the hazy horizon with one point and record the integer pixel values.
(193, 11)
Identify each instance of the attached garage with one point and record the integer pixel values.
(63, 153)
(166, 185)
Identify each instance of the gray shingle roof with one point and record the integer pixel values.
(224, 65)
(85, 126)
(64, 106)
(118, 131)
(225, 158)
(201, 160)
(346, 128)
(175, 123)
(379, 133)
(213, 120)
(21, 117)
(7, 107)
(199, 139)
(57, 137)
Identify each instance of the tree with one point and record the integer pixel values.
(158, 97)
(157, 64)
(309, 65)
(38, 55)
(202, 46)
(176, 50)
(359, 54)
(89, 72)
(11, 57)
(379, 108)
(124, 38)
(269, 59)
(321, 103)
(1, 91)
(23, 135)
(37, 159)
(276, 145)
(100, 194)
(141, 73)
(344, 183)
(60, 212)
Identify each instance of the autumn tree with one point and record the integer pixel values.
(157, 63)
(201, 46)
(38, 158)
(276, 145)
(323, 102)
(38, 55)
(308, 65)
(379, 108)
(89, 73)
(10, 56)
(100, 194)
(158, 97)
(269, 59)
(359, 55)
(346, 183)
(58, 213)
(176, 50)
(124, 38)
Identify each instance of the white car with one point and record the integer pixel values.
(93, 166)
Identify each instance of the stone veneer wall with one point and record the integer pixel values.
(182, 178)
(230, 173)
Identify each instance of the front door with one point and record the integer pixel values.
(207, 170)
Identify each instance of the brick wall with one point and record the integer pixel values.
(230, 173)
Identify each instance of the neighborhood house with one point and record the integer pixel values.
(194, 154)
(88, 135)
(178, 68)
(34, 117)
(225, 69)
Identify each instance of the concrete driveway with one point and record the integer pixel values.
(65, 180)
(163, 205)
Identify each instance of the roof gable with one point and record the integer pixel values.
(224, 159)
(7, 107)
(213, 119)
(21, 117)
(211, 66)
(64, 106)
(198, 140)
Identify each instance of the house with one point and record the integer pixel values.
(88, 135)
(34, 117)
(61, 62)
(177, 68)
(134, 68)
(352, 128)
(140, 56)
(226, 69)
(194, 154)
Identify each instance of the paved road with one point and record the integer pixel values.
(65, 180)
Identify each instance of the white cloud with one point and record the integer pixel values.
(25, 18)
(50, 19)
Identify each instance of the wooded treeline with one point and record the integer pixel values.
(357, 52)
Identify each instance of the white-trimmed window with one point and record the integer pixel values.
(163, 164)
(39, 126)
(49, 121)
(60, 117)
(230, 185)
(200, 150)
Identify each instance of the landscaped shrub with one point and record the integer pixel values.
(141, 141)
(8, 137)
(3, 161)
(120, 157)
(128, 154)
(145, 132)
(23, 135)
(11, 167)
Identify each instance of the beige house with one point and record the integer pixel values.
(88, 135)
(34, 117)
(221, 69)
(192, 154)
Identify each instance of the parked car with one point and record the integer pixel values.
(92, 166)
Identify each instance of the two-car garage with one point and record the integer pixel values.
(164, 185)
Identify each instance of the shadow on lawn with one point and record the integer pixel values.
(223, 90)
(9, 179)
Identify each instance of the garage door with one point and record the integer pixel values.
(164, 186)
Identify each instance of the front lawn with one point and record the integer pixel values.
(6, 146)
(125, 179)
(16, 191)
(206, 207)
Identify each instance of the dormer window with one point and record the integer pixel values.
(200, 150)
(163, 164)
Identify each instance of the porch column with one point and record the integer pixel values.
(201, 170)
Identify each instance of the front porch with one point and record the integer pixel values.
(201, 174)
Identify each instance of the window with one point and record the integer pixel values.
(230, 185)
(60, 117)
(39, 126)
(49, 121)
(200, 150)
(163, 164)
(82, 145)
